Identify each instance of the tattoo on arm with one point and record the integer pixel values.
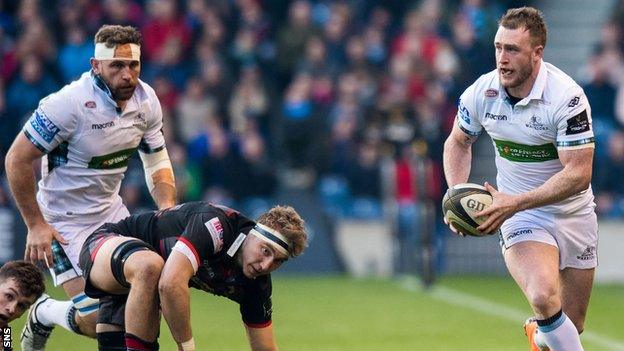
(469, 139)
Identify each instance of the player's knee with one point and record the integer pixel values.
(86, 325)
(544, 300)
(148, 271)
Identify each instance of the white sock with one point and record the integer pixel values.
(52, 312)
(560, 335)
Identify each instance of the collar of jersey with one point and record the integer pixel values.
(538, 87)
(99, 84)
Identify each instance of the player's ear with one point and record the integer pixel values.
(95, 65)
(538, 51)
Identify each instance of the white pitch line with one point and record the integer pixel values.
(480, 305)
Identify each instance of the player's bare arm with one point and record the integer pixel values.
(457, 156)
(20, 174)
(261, 339)
(175, 297)
(159, 178)
(572, 179)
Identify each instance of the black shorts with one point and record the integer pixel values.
(87, 254)
(112, 306)
(112, 310)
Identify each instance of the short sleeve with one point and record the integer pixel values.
(202, 238)
(256, 307)
(467, 117)
(51, 123)
(153, 140)
(574, 122)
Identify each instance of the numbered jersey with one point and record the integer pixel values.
(88, 142)
(527, 136)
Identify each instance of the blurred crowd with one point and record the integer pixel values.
(351, 100)
(605, 89)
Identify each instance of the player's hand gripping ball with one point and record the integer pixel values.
(461, 203)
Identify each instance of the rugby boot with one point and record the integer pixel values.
(530, 330)
(35, 335)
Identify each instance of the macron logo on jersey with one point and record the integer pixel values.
(216, 232)
(44, 127)
(103, 125)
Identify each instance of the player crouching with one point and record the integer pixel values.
(132, 264)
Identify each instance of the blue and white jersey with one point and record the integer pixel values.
(88, 142)
(527, 136)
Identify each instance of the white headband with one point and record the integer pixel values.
(119, 52)
(272, 236)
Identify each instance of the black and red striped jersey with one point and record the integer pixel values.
(206, 231)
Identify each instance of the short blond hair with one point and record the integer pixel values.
(290, 224)
(531, 19)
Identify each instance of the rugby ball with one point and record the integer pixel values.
(461, 203)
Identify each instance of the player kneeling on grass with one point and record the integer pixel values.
(132, 264)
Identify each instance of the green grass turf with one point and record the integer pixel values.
(339, 313)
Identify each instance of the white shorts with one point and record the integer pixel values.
(576, 235)
(75, 232)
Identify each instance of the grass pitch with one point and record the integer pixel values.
(336, 313)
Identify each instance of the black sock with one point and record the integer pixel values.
(549, 320)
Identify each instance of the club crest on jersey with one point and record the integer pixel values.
(90, 104)
(140, 121)
(536, 123)
(588, 254)
(216, 232)
(491, 93)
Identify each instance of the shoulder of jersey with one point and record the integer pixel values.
(145, 91)
(65, 98)
(559, 84)
(485, 85)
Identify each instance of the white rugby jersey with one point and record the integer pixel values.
(88, 142)
(554, 116)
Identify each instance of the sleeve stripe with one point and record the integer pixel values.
(184, 247)
(35, 142)
(471, 133)
(145, 148)
(259, 325)
(573, 143)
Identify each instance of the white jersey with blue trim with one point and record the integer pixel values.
(88, 141)
(527, 136)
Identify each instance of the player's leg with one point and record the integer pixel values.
(126, 265)
(85, 308)
(111, 335)
(576, 286)
(142, 270)
(535, 268)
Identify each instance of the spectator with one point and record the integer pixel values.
(74, 55)
(194, 110)
(292, 37)
(249, 102)
(32, 84)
